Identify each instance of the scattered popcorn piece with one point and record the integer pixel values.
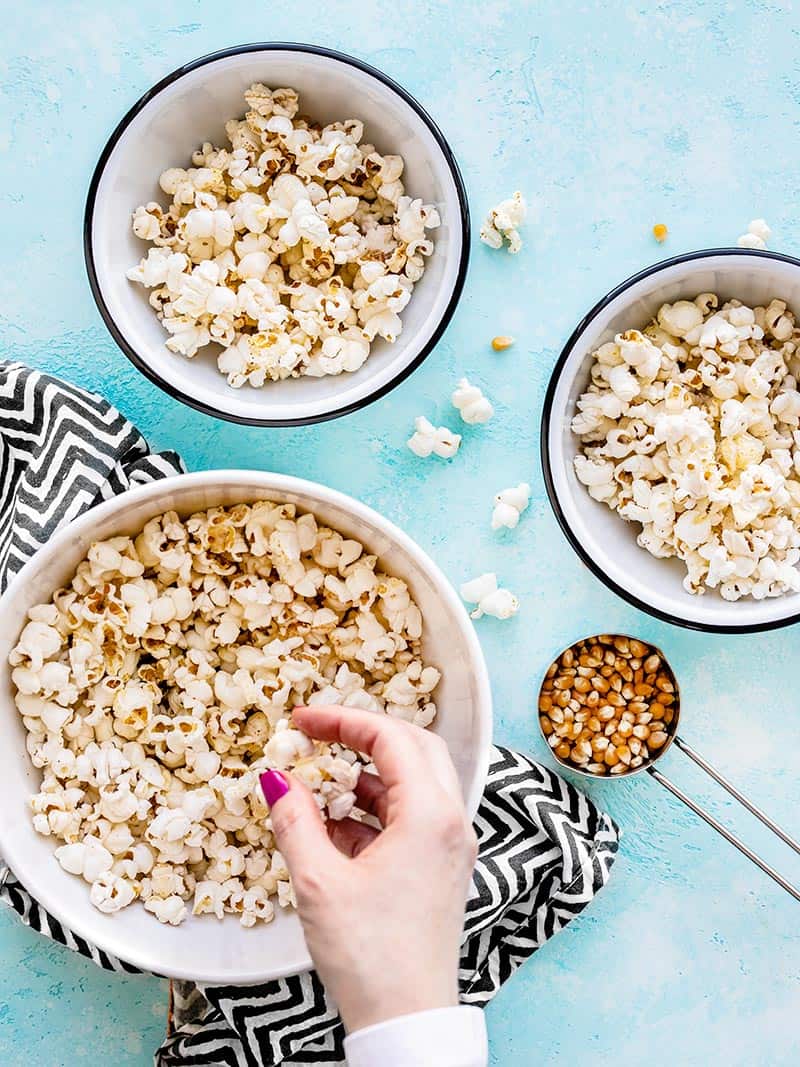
(502, 223)
(472, 405)
(160, 682)
(509, 505)
(489, 598)
(428, 439)
(691, 428)
(294, 249)
(758, 233)
(501, 343)
(660, 232)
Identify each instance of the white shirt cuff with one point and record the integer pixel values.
(443, 1037)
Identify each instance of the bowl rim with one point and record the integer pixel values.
(285, 484)
(544, 443)
(212, 57)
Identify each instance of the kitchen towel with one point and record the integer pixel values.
(545, 850)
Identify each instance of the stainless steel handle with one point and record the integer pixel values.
(734, 792)
(722, 830)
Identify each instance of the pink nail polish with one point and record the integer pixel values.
(274, 786)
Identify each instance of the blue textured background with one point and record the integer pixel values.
(610, 118)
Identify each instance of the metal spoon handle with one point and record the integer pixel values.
(707, 817)
(734, 792)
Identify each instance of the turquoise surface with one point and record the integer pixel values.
(609, 118)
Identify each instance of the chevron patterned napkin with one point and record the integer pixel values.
(545, 850)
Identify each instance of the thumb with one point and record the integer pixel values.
(296, 822)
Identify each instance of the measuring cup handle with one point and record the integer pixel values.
(732, 838)
(734, 792)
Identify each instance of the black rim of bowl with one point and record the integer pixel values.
(547, 417)
(225, 53)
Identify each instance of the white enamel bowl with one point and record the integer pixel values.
(604, 541)
(191, 106)
(203, 948)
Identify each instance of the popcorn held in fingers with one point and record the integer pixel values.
(160, 682)
(489, 598)
(509, 505)
(691, 428)
(428, 439)
(293, 249)
(503, 222)
(472, 405)
(758, 233)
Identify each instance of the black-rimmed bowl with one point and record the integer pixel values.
(603, 540)
(191, 106)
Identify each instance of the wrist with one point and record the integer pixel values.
(379, 1006)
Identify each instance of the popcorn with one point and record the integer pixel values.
(489, 598)
(341, 807)
(502, 223)
(692, 429)
(472, 405)
(210, 897)
(169, 910)
(110, 893)
(88, 858)
(509, 505)
(159, 684)
(758, 233)
(294, 250)
(428, 439)
(287, 746)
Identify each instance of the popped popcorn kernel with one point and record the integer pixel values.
(509, 505)
(428, 439)
(757, 235)
(471, 404)
(489, 598)
(503, 222)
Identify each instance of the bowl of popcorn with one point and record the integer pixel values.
(276, 234)
(671, 440)
(150, 658)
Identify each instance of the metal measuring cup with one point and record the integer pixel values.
(671, 728)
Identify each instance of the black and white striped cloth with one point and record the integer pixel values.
(545, 850)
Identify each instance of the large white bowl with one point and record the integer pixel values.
(203, 948)
(191, 106)
(604, 541)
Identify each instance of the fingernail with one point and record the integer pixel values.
(274, 785)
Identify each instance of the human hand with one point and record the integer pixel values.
(382, 911)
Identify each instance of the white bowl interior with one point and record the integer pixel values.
(194, 109)
(605, 537)
(204, 948)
